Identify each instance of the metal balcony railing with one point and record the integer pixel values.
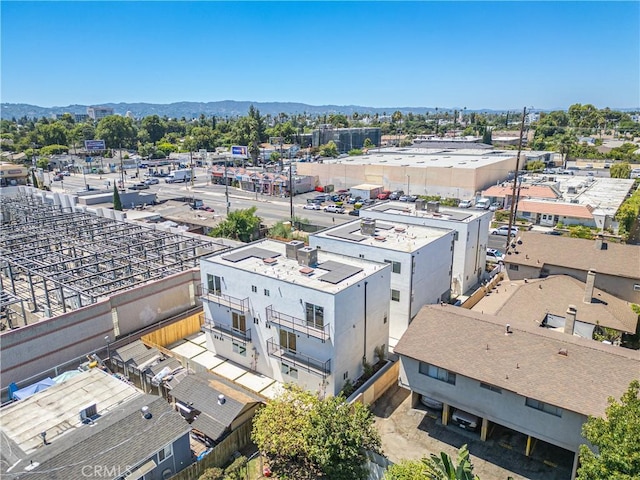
(227, 331)
(298, 360)
(297, 324)
(237, 304)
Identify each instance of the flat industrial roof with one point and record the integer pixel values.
(333, 272)
(437, 158)
(395, 236)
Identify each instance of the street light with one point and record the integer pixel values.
(106, 339)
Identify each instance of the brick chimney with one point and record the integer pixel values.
(600, 243)
(570, 319)
(588, 290)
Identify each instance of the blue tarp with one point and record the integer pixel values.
(31, 389)
(66, 376)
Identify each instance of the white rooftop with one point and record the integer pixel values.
(396, 236)
(56, 410)
(343, 270)
(444, 214)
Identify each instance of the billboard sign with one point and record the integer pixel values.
(94, 145)
(238, 151)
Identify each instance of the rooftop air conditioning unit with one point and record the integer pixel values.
(88, 412)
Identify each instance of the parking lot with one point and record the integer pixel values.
(414, 433)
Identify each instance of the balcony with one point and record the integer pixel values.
(227, 331)
(237, 304)
(297, 324)
(298, 360)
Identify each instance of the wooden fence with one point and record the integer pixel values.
(221, 455)
(377, 385)
(175, 332)
(480, 293)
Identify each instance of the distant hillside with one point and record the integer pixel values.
(224, 108)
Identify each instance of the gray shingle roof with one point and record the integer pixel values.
(526, 362)
(121, 439)
(537, 250)
(201, 392)
(554, 294)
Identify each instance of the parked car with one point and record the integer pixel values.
(404, 198)
(139, 186)
(312, 206)
(354, 200)
(465, 204)
(333, 209)
(494, 255)
(465, 420)
(65, 173)
(503, 230)
(396, 195)
(430, 402)
(413, 198)
(384, 195)
(355, 212)
(495, 206)
(152, 181)
(58, 177)
(369, 201)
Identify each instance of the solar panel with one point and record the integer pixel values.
(240, 255)
(337, 271)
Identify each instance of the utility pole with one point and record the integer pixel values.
(226, 185)
(291, 187)
(512, 212)
(121, 169)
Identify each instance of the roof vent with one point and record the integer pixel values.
(270, 261)
(564, 352)
(307, 271)
(507, 329)
(380, 238)
(145, 412)
(221, 399)
(399, 230)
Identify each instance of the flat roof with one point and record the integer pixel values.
(444, 214)
(416, 157)
(268, 258)
(56, 410)
(527, 361)
(395, 236)
(536, 250)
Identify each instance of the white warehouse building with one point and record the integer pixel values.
(420, 258)
(471, 225)
(296, 314)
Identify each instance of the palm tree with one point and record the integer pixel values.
(566, 143)
(442, 467)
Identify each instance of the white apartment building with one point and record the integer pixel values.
(471, 225)
(420, 258)
(296, 313)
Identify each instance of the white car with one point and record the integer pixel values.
(503, 230)
(465, 204)
(494, 255)
(312, 206)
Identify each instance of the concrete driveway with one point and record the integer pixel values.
(414, 433)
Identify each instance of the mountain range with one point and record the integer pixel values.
(225, 108)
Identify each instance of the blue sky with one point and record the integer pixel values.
(378, 54)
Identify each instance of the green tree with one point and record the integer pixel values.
(155, 127)
(54, 149)
(486, 137)
(616, 438)
(406, 470)
(117, 131)
(535, 166)
(304, 435)
(43, 163)
(117, 203)
(213, 473)
(620, 170)
(338, 120)
(51, 134)
(240, 225)
(443, 468)
(368, 143)
(329, 150)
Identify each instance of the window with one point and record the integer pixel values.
(395, 266)
(513, 267)
(315, 315)
(490, 387)
(239, 322)
(214, 284)
(288, 340)
(636, 287)
(345, 375)
(266, 292)
(165, 453)
(437, 373)
(544, 407)
(239, 348)
(395, 295)
(254, 289)
(289, 370)
(385, 318)
(361, 255)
